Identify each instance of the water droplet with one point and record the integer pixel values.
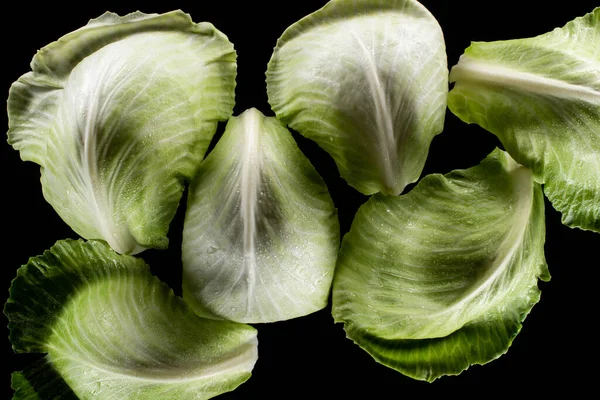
(211, 250)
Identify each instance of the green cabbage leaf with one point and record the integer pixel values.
(441, 278)
(112, 330)
(119, 114)
(368, 82)
(541, 97)
(261, 233)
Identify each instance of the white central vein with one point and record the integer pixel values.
(90, 163)
(476, 71)
(250, 185)
(512, 242)
(500, 263)
(383, 116)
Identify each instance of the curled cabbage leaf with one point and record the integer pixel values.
(541, 97)
(441, 278)
(112, 330)
(118, 114)
(368, 81)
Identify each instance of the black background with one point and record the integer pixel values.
(310, 356)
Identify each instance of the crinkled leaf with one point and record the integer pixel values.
(111, 330)
(119, 114)
(261, 232)
(367, 80)
(441, 278)
(541, 97)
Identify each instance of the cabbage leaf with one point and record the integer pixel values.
(261, 233)
(368, 81)
(541, 97)
(112, 330)
(119, 114)
(441, 278)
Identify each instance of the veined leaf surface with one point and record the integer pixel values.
(112, 330)
(441, 278)
(261, 232)
(119, 114)
(541, 97)
(368, 81)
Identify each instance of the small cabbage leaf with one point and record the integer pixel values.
(541, 97)
(119, 114)
(368, 81)
(441, 278)
(261, 233)
(112, 330)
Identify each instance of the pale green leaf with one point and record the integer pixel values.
(119, 114)
(261, 232)
(112, 330)
(441, 278)
(541, 97)
(367, 80)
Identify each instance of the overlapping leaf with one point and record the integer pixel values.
(441, 278)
